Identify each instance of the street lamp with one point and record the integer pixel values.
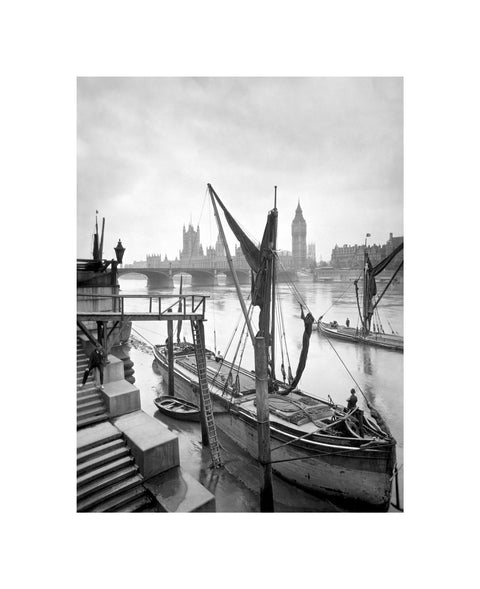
(119, 251)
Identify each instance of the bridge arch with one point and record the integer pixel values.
(156, 278)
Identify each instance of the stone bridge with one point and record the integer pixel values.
(201, 276)
(163, 277)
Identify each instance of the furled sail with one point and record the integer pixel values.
(308, 321)
(256, 257)
(249, 249)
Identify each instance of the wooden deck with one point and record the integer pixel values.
(155, 307)
(137, 316)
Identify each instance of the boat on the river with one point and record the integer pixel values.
(316, 444)
(177, 408)
(370, 331)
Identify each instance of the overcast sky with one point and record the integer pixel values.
(147, 147)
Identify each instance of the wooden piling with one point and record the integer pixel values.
(263, 427)
(171, 372)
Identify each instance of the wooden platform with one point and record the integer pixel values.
(136, 316)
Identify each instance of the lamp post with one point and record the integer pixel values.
(119, 251)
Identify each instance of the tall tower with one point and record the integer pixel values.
(299, 239)
(191, 243)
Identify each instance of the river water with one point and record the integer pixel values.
(376, 372)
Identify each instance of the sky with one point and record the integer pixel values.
(147, 147)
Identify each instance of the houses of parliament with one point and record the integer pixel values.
(194, 253)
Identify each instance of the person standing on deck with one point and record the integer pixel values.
(347, 322)
(352, 401)
(96, 360)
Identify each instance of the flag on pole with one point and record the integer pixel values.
(368, 234)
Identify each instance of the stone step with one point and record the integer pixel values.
(138, 505)
(102, 471)
(96, 498)
(89, 382)
(81, 412)
(99, 450)
(101, 460)
(86, 421)
(96, 436)
(94, 396)
(105, 481)
(96, 403)
(88, 389)
(117, 501)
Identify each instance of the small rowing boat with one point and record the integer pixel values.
(177, 408)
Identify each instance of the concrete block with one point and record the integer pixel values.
(154, 447)
(178, 492)
(113, 370)
(121, 397)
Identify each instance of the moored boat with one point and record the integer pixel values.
(316, 444)
(371, 331)
(177, 408)
(390, 341)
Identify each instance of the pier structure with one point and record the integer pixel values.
(127, 460)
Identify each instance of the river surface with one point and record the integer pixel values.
(376, 372)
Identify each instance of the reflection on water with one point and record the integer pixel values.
(365, 353)
(378, 372)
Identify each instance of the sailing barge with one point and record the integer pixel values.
(365, 334)
(315, 444)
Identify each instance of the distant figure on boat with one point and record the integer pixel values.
(352, 401)
(347, 322)
(96, 360)
(218, 357)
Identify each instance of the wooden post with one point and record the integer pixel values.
(263, 427)
(171, 382)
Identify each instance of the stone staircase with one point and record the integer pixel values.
(127, 461)
(90, 405)
(107, 477)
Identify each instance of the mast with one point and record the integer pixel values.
(100, 252)
(230, 264)
(274, 279)
(95, 240)
(366, 321)
(179, 323)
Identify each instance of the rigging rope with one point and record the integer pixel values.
(338, 298)
(299, 300)
(213, 291)
(142, 336)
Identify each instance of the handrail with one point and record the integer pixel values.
(192, 304)
(139, 296)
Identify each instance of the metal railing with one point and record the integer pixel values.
(181, 307)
